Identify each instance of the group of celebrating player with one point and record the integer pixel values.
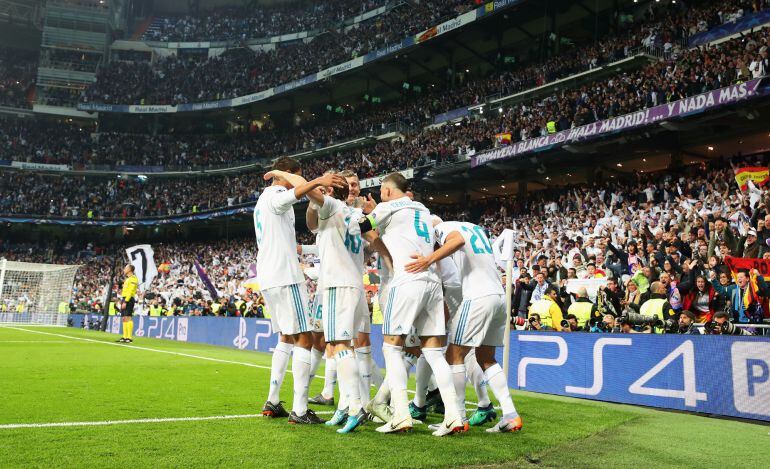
(423, 263)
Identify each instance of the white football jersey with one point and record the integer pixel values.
(405, 228)
(277, 260)
(340, 245)
(475, 260)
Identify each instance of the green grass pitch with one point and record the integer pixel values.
(50, 375)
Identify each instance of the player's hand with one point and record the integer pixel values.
(269, 175)
(420, 264)
(369, 204)
(334, 180)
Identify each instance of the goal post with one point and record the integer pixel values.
(32, 293)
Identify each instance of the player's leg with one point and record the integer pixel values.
(404, 301)
(485, 411)
(493, 372)
(363, 348)
(293, 319)
(128, 321)
(326, 397)
(319, 345)
(422, 376)
(430, 326)
(281, 355)
(343, 313)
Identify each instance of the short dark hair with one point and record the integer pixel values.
(571, 316)
(721, 314)
(689, 314)
(398, 180)
(551, 289)
(287, 164)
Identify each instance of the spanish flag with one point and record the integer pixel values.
(503, 138)
(758, 174)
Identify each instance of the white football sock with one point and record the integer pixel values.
(347, 368)
(330, 377)
(410, 360)
(458, 378)
(315, 361)
(422, 376)
(375, 372)
(383, 392)
(364, 359)
(278, 367)
(476, 377)
(300, 368)
(396, 376)
(496, 379)
(440, 367)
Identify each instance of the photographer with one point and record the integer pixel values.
(582, 309)
(687, 323)
(533, 323)
(570, 324)
(608, 324)
(721, 325)
(548, 310)
(657, 304)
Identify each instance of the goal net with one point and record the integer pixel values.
(33, 293)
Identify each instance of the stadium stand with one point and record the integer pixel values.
(18, 68)
(670, 226)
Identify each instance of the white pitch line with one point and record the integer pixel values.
(137, 347)
(35, 342)
(11, 426)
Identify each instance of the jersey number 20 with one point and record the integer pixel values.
(476, 236)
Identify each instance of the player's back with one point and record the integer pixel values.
(341, 248)
(405, 230)
(277, 263)
(475, 260)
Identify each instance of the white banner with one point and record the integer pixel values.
(376, 181)
(142, 258)
(591, 285)
(39, 166)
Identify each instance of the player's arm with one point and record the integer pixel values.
(378, 245)
(303, 188)
(311, 218)
(454, 241)
(379, 216)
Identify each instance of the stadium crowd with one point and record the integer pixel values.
(682, 73)
(18, 71)
(229, 23)
(666, 236)
(241, 71)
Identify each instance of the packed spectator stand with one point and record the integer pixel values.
(240, 71)
(677, 228)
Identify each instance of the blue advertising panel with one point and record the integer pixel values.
(723, 375)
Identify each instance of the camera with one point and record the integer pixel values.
(636, 319)
(726, 328)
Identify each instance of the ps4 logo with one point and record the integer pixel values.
(751, 377)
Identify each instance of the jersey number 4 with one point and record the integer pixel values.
(258, 226)
(421, 228)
